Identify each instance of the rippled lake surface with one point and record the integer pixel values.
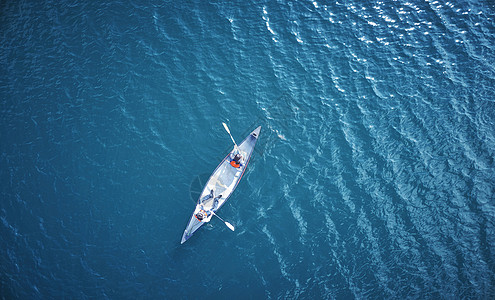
(374, 175)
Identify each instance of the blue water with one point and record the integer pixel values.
(374, 175)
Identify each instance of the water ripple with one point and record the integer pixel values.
(373, 177)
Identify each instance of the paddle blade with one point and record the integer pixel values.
(226, 127)
(230, 226)
(228, 131)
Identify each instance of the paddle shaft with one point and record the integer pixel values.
(228, 131)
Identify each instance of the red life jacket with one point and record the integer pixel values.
(205, 215)
(235, 164)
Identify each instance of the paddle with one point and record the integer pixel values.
(230, 226)
(228, 131)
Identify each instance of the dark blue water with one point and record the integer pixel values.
(374, 176)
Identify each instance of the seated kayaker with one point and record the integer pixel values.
(236, 161)
(200, 215)
(203, 215)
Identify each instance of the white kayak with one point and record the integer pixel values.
(221, 184)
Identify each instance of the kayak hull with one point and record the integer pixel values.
(222, 181)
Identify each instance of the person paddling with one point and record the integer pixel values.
(204, 214)
(236, 161)
(201, 215)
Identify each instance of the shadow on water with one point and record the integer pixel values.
(197, 185)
